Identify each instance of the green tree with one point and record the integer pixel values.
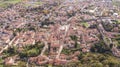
(97, 65)
(74, 38)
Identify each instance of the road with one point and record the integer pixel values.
(9, 44)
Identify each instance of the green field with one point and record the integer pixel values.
(5, 3)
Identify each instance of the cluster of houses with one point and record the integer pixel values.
(54, 23)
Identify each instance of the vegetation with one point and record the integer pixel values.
(116, 2)
(66, 51)
(94, 60)
(6, 3)
(1, 61)
(118, 22)
(31, 50)
(20, 29)
(74, 38)
(100, 56)
(117, 40)
(11, 51)
(85, 24)
(107, 26)
(100, 47)
(20, 64)
(28, 51)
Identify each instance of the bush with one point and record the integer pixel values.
(97, 65)
(33, 52)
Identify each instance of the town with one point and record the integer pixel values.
(64, 33)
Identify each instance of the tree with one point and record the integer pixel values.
(11, 51)
(74, 38)
(100, 47)
(108, 26)
(97, 64)
(31, 50)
